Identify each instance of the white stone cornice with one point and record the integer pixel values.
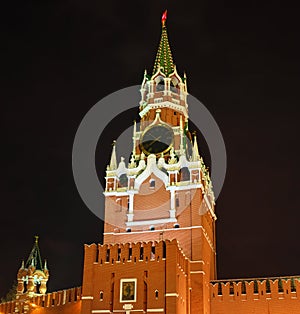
(120, 193)
(150, 168)
(183, 162)
(171, 294)
(150, 222)
(184, 187)
(163, 104)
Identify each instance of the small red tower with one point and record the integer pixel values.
(32, 279)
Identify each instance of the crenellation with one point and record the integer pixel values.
(91, 252)
(128, 252)
(256, 289)
(113, 253)
(49, 300)
(7, 307)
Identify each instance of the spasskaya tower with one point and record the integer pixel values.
(159, 250)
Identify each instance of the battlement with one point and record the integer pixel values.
(256, 289)
(7, 307)
(150, 266)
(24, 304)
(132, 252)
(57, 298)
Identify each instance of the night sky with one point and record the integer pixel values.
(60, 57)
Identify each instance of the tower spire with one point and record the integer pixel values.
(164, 60)
(195, 156)
(34, 258)
(113, 160)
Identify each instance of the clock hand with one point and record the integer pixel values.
(155, 140)
(153, 136)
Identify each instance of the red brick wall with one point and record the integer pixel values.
(232, 298)
(166, 271)
(167, 115)
(64, 301)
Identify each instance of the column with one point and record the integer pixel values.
(172, 204)
(130, 208)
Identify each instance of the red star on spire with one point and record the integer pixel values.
(164, 18)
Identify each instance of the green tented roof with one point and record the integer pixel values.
(164, 56)
(35, 256)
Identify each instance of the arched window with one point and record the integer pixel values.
(123, 181)
(174, 85)
(184, 174)
(152, 184)
(160, 84)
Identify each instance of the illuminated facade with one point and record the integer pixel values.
(159, 250)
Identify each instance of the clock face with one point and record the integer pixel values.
(157, 139)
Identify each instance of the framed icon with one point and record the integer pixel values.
(128, 290)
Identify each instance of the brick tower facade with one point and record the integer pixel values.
(32, 279)
(159, 235)
(159, 250)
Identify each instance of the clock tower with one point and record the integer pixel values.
(159, 248)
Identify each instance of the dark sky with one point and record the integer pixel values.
(59, 57)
